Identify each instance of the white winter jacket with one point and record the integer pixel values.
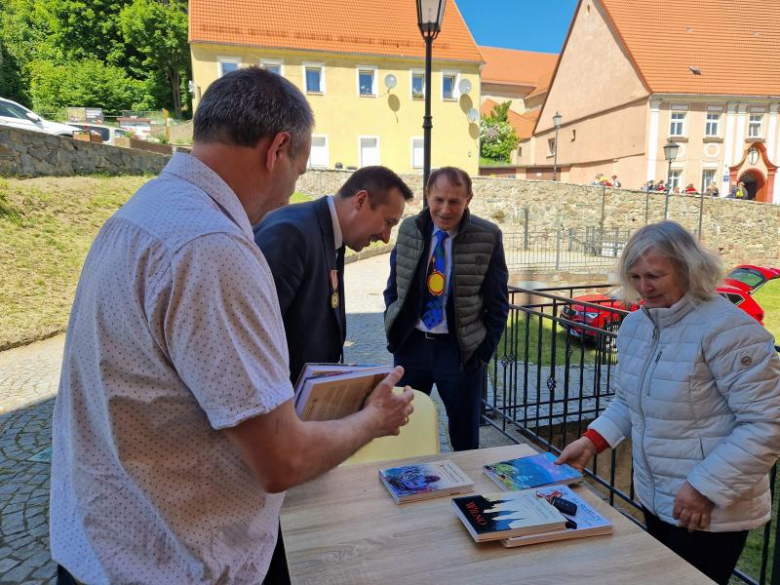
(698, 391)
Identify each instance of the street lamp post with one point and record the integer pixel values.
(670, 153)
(557, 124)
(430, 13)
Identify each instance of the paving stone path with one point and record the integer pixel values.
(28, 383)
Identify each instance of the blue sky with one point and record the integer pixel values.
(529, 25)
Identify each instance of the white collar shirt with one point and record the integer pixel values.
(175, 333)
(338, 238)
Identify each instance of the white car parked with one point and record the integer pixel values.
(17, 116)
(107, 133)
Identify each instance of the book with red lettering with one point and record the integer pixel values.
(507, 515)
(587, 521)
(420, 481)
(531, 471)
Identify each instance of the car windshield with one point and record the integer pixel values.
(749, 277)
(13, 111)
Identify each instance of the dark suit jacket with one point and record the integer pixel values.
(297, 242)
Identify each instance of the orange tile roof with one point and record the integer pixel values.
(512, 67)
(368, 27)
(735, 44)
(522, 123)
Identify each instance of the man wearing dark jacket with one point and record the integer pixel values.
(446, 301)
(304, 246)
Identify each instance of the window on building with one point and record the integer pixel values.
(273, 66)
(754, 125)
(417, 153)
(675, 179)
(707, 177)
(314, 81)
(227, 65)
(677, 127)
(318, 156)
(550, 146)
(418, 86)
(369, 151)
(366, 80)
(448, 86)
(713, 125)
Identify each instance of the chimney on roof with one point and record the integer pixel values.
(695, 70)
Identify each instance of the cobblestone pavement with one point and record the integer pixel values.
(28, 383)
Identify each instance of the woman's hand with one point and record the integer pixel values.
(578, 453)
(692, 510)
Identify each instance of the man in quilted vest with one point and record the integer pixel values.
(446, 301)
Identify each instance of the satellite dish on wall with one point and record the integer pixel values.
(390, 81)
(473, 115)
(464, 86)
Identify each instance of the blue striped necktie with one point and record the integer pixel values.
(435, 281)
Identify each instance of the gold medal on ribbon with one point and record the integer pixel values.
(435, 283)
(334, 287)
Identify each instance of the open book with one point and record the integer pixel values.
(507, 515)
(421, 481)
(333, 391)
(530, 472)
(587, 521)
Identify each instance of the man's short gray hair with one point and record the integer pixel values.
(700, 270)
(244, 106)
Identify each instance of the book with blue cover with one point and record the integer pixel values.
(421, 481)
(530, 472)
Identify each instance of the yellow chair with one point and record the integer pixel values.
(420, 436)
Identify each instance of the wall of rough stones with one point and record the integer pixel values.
(32, 154)
(740, 231)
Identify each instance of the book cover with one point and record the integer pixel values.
(507, 514)
(530, 472)
(587, 519)
(333, 391)
(425, 480)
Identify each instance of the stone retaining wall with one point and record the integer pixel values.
(24, 153)
(740, 231)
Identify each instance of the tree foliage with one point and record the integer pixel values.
(497, 137)
(114, 54)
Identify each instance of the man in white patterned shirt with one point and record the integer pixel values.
(174, 432)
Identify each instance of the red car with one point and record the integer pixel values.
(738, 286)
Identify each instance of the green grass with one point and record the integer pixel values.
(768, 296)
(489, 162)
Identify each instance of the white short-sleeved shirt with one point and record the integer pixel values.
(175, 333)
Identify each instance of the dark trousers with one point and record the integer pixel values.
(714, 553)
(278, 572)
(63, 577)
(437, 361)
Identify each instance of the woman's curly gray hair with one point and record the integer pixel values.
(699, 269)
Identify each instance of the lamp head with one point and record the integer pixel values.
(557, 120)
(670, 150)
(430, 14)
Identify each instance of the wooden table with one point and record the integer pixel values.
(345, 529)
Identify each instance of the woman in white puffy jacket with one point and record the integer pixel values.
(698, 392)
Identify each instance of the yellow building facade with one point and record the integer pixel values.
(360, 124)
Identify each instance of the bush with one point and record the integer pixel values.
(497, 137)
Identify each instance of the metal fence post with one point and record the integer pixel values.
(701, 213)
(558, 238)
(647, 206)
(525, 228)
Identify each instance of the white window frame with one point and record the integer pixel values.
(675, 178)
(759, 133)
(714, 179)
(374, 83)
(455, 94)
(360, 149)
(551, 147)
(321, 67)
(221, 60)
(309, 164)
(681, 123)
(712, 123)
(264, 63)
(412, 73)
(422, 162)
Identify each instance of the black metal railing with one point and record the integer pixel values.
(552, 375)
(564, 248)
